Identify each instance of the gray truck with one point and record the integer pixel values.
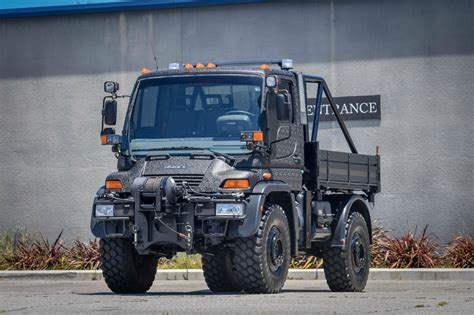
(221, 159)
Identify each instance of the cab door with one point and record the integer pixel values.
(286, 133)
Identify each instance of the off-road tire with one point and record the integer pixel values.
(344, 270)
(123, 269)
(219, 273)
(255, 267)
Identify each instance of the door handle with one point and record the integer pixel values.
(296, 159)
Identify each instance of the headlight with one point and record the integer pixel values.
(229, 209)
(104, 210)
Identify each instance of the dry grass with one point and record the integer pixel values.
(22, 251)
(409, 251)
(460, 252)
(181, 261)
(306, 262)
(37, 253)
(83, 255)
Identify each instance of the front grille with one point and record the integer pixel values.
(194, 180)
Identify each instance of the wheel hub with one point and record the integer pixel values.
(275, 249)
(358, 252)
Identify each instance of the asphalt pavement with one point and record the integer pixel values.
(193, 297)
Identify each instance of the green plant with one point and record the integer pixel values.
(460, 252)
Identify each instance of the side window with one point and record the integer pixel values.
(285, 114)
(148, 113)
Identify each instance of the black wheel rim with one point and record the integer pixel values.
(359, 253)
(275, 249)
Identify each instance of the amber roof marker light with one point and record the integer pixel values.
(144, 70)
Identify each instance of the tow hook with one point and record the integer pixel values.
(135, 230)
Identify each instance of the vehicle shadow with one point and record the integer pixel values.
(199, 293)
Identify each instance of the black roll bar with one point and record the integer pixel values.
(342, 125)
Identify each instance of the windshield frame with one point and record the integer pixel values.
(127, 131)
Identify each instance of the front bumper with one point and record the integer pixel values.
(189, 224)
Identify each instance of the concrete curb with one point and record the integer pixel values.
(441, 274)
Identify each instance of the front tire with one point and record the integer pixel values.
(261, 262)
(348, 270)
(123, 269)
(218, 272)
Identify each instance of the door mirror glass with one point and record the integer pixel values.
(109, 112)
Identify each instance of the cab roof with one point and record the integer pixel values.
(258, 67)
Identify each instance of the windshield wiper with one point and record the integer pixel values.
(228, 157)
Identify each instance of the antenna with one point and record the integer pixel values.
(154, 55)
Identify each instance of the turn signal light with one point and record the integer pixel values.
(103, 139)
(113, 184)
(144, 71)
(257, 136)
(200, 66)
(264, 67)
(267, 176)
(236, 184)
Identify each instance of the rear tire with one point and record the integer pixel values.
(348, 270)
(219, 273)
(123, 269)
(261, 262)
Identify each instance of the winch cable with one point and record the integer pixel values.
(112, 196)
(172, 230)
(208, 195)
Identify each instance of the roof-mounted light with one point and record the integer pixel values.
(173, 66)
(200, 66)
(144, 71)
(188, 66)
(287, 64)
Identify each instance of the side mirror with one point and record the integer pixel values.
(282, 107)
(111, 87)
(109, 112)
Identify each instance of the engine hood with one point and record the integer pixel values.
(202, 173)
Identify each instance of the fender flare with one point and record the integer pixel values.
(346, 205)
(255, 208)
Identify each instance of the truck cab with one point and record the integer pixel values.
(220, 159)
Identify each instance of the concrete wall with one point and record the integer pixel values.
(418, 55)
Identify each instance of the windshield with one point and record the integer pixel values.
(201, 111)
